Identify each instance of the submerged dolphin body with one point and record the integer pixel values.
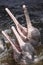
(27, 55)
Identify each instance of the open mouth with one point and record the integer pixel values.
(17, 46)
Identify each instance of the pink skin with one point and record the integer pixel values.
(31, 30)
(17, 47)
(21, 33)
(22, 30)
(19, 39)
(25, 33)
(11, 42)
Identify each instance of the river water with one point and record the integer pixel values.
(35, 9)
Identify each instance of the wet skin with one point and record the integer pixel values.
(24, 52)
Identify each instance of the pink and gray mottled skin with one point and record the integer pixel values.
(24, 52)
(26, 33)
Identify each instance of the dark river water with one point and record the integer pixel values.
(35, 8)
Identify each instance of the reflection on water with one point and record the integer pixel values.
(5, 22)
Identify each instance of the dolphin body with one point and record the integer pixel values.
(28, 55)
